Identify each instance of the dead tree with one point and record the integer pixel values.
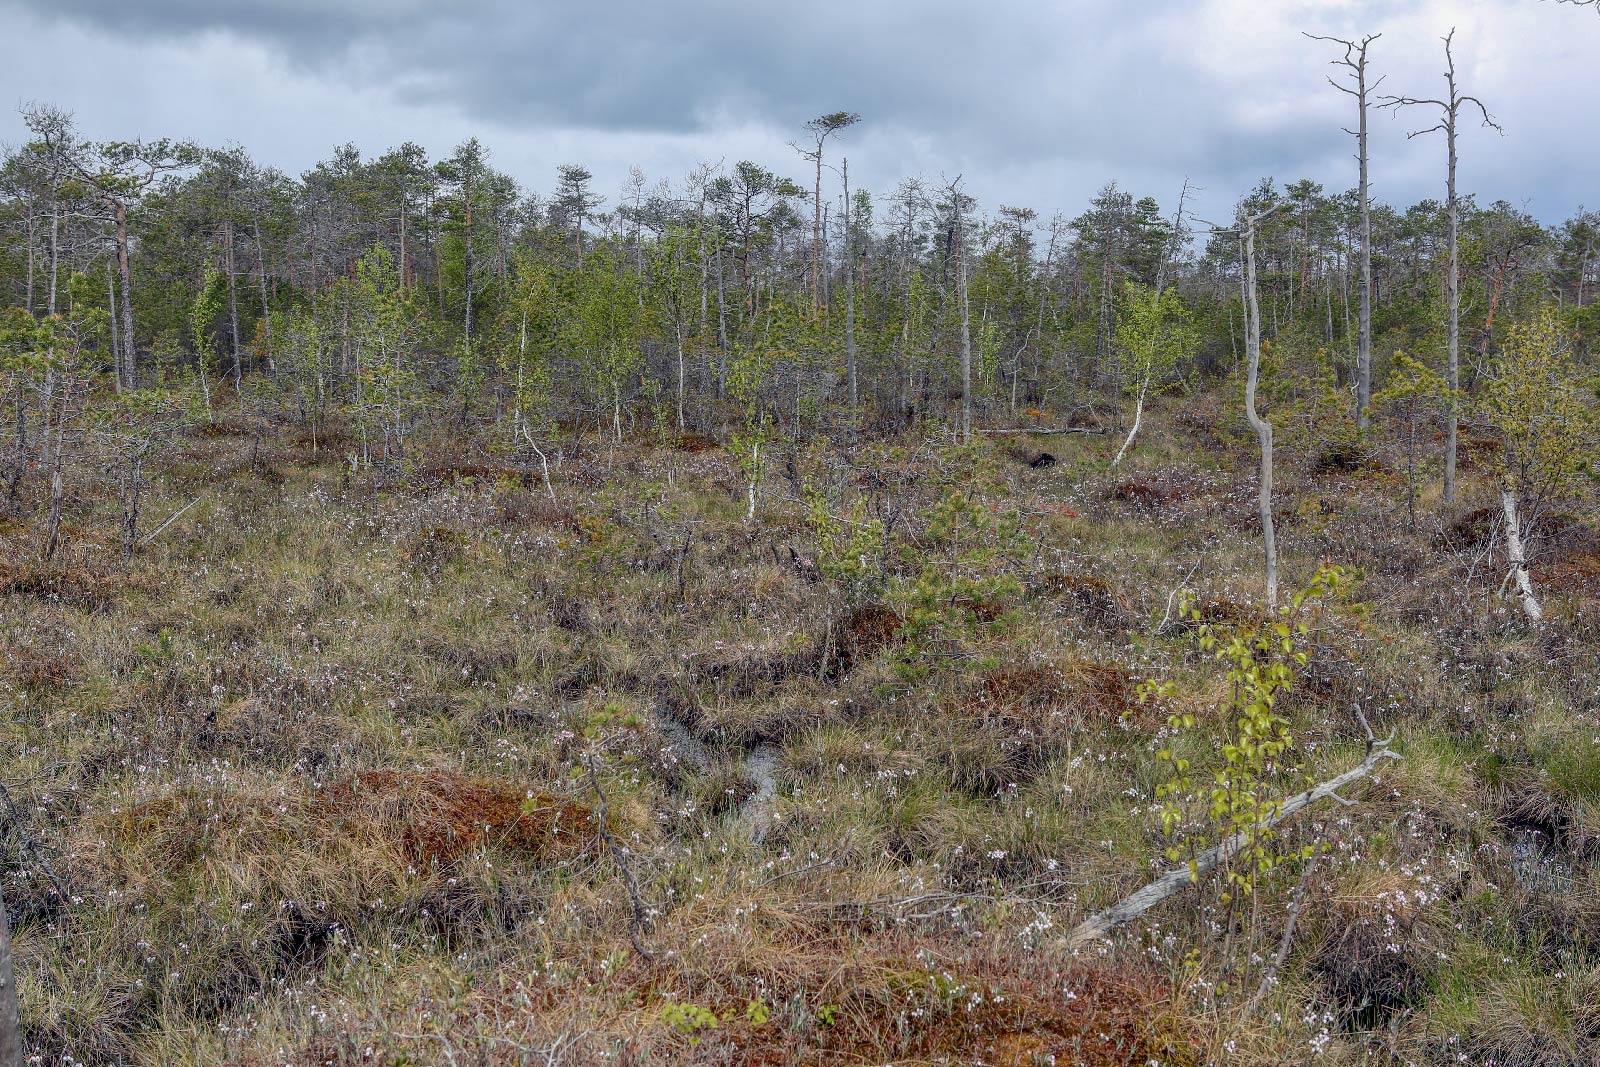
(1098, 926)
(1517, 554)
(10, 1023)
(1262, 427)
(1355, 60)
(960, 204)
(821, 128)
(1450, 108)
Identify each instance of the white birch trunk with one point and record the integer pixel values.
(1516, 555)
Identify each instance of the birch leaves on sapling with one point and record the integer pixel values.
(1155, 335)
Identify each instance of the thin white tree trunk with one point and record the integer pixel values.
(1516, 555)
(966, 331)
(750, 485)
(1133, 431)
(1099, 925)
(1263, 428)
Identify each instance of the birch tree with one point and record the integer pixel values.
(1450, 111)
(1154, 334)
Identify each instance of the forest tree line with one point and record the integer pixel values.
(733, 302)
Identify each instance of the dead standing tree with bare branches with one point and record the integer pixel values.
(1355, 60)
(1262, 427)
(820, 129)
(1450, 109)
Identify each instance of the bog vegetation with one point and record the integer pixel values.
(756, 621)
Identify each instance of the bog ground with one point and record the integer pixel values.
(324, 769)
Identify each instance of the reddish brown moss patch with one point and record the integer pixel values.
(438, 816)
(1088, 594)
(1142, 493)
(695, 443)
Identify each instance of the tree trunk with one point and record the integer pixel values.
(10, 1023)
(1100, 925)
(1133, 431)
(468, 259)
(130, 365)
(850, 297)
(1516, 555)
(1262, 427)
(816, 238)
(966, 331)
(233, 307)
(1453, 326)
(116, 347)
(55, 248)
(1364, 351)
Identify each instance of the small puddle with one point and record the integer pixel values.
(1535, 862)
(761, 765)
(682, 746)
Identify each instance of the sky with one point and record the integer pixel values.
(1035, 104)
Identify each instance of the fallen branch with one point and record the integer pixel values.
(1286, 942)
(32, 846)
(151, 536)
(1099, 926)
(639, 921)
(1046, 431)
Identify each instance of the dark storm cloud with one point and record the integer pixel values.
(991, 73)
(1037, 102)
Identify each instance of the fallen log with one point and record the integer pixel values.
(1098, 926)
(1044, 431)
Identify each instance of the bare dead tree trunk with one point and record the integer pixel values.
(1450, 107)
(1516, 554)
(850, 297)
(1355, 61)
(130, 366)
(55, 248)
(1262, 427)
(966, 333)
(233, 308)
(1099, 925)
(10, 1023)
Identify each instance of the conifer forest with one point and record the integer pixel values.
(455, 612)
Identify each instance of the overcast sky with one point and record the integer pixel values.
(1035, 103)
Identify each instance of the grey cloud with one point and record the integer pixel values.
(1038, 102)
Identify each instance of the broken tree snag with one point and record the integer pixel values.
(1517, 556)
(1098, 926)
(10, 1028)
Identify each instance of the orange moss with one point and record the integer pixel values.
(1091, 690)
(694, 442)
(439, 816)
